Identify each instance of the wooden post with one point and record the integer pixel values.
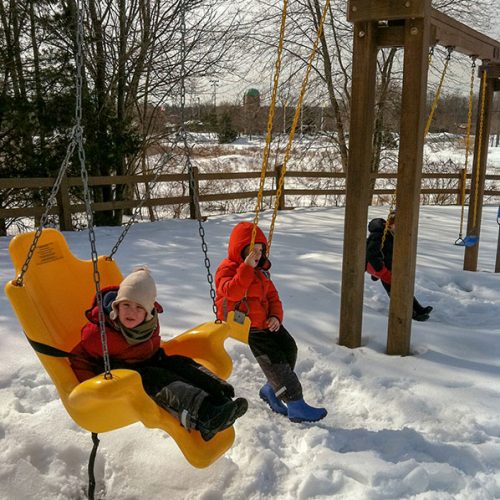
(64, 206)
(358, 179)
(193, 206)
(479, 174)
(278, 171)
(412, 123)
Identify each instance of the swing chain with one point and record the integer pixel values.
(50, 203)
(270, 120)
(298, 110)
(133, 218)
(86, 192)
(460, 241)
(182, 134)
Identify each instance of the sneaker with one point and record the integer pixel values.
(420, 317)
(220, 417)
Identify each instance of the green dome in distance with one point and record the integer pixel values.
(252, 93)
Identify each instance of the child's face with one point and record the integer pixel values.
(131, 314)
(258, 248)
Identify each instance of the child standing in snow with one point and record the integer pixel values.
(190, 392)
(244, 276)
(379, 259)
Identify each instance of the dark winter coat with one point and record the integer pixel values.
(234, 278)
(89, 356)
(378, 258)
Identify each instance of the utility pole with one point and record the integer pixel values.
(215, 84)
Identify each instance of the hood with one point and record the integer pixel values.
(241, 236)
(376, 225)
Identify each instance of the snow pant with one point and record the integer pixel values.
(180, 385)
(417, 307)
(276, 353)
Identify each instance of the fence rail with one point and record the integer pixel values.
(66, 207)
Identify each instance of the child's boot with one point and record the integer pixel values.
(267, 394)
(215, 418)
(300, 411)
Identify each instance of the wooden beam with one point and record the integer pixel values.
(376, 10)
(446, 31)
(450, 32)
(390, 36)
(411, 144)
(358, 194)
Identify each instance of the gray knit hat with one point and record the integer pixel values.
(138, 286)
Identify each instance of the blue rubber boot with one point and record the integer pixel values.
(300, 411)
(267, 394)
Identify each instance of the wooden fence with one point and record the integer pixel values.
(66, 207)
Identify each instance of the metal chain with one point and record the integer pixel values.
(438, 92)
(484, 84)
(270, 120)
(133, 218)
(467, 147)
(288, 150)
(187, 150)
(86, 191)
(50, 203)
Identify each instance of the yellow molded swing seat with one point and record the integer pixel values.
(50, 305)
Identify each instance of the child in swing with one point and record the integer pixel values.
(379, 259)
(190, 392)
(244, 274)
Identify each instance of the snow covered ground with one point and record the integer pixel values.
(420, 427)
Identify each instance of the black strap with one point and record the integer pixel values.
(93, 454)
(49, 350)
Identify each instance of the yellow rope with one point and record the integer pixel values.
(438, 92)
(267, 147)
(478, 162)
(296, 117)
(467, 143)
(386, 229)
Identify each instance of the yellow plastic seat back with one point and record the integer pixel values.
(56, 290)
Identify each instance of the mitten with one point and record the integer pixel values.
(385, 275)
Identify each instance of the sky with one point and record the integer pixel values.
(421, 427)
(230, 89)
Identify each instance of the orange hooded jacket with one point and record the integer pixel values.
(234, 278)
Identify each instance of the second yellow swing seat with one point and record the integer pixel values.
(50, 305)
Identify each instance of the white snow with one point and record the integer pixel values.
(421, 427)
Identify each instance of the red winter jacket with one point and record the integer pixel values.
(233, 278)
(89, 360)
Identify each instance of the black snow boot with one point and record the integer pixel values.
(213, 418)
(420, 317)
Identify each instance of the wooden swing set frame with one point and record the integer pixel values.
(415, 26)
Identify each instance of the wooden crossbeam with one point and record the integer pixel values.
(450, 32)
(368, 10)
(445, 31)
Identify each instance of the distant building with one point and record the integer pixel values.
(251, 107)
(251, 99)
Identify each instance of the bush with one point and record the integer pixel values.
(226, 133)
